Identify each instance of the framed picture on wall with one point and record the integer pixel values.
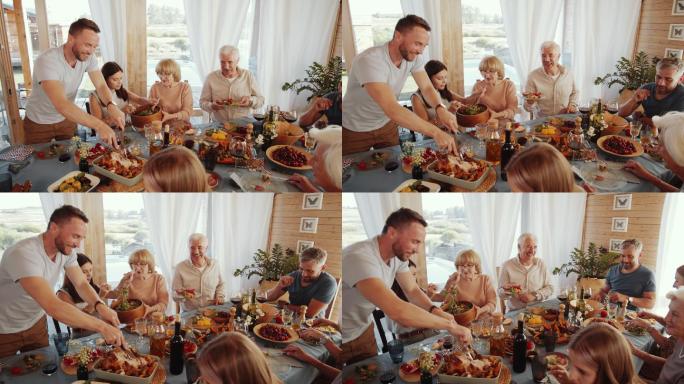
(303, 244)
(308, 225)
(312, 201)
(616, 245)
(620, 224)
(678, 7)
(674, 53)
(676, 32)
(622, 202)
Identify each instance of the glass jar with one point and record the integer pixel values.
(493, 153)
(238, 146)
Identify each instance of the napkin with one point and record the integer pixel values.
(17, 153)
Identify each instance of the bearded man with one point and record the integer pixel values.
(58, 73)
(369, 268)
(372, 114)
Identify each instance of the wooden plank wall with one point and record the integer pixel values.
(285, 220)
(644, 222)
(654, 26)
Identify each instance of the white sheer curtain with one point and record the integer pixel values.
(596, 49)
(292, 34)
(492, 218)
(211, 25)
(238, 226)
(171, 218)
(110, 16)
(557, 220)
(374, 209)
(670, 245)
(430, 10)
(528, 23)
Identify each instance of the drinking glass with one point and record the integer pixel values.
(539, 369)
(612, 310)
(635, 130)
(140, 329)
(396, 350)
(481, 131)
(476, 328)
(61, 341)
(309, 142)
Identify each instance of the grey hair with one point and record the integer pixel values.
(526, 235)
(229, 50)
(331, 137)
(671, 62)
(199, 236)
(550, 45)
(638, 246)
(314, 254)
(671, 126)
(677, 294)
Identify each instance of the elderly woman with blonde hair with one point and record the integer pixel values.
(670, 148)
(326, 162)
(232, 358)
(175, 169)
(173, 96)
(496, 91)
(471, 285)
(144, 283)
(541, 168)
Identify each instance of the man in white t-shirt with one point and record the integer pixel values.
(371, 112)
(29, 271)
(369, 268)
(58, 73)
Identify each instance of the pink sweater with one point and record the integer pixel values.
(480, 291)
(175, 99)
(500, 98)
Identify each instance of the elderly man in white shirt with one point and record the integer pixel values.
(554, 82)
(230, 92)
(198, 279)
(524, 279)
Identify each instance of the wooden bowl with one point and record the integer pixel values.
(288, 134)
(615, 122)
(129, 316)
(464, 318)
(472, 120)
(139, 121)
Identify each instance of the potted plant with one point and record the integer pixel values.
(320, 79)
(591, 266)
(630, 74)
(270, 266)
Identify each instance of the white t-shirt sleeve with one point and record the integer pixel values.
(402, 266)
(19, 266)
(47, 68)
(71, 260)
(93, 64)
(371, 68)
(419, 64)
(363, 267)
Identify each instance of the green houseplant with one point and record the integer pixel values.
(631, 74)
(270, 266)
(320, 79)
(591, 265)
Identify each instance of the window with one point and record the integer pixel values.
(21, 216)
(373, 24)
(483, 35)
(167, 37)
(352, 227)
(126, 231)
(448, 233)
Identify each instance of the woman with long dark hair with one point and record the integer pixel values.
(124, 99)
(68, 292)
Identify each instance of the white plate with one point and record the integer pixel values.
(94, 180)
(611, 181)
(431, 186)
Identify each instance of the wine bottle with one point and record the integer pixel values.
(167, 136)
(507, 152)
(581, 304)
(176, 360)
(520, 349)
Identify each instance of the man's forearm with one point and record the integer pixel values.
(410, 120)
(88, 294)
(627, 108)
(419, 298)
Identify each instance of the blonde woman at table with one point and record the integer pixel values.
(542, 168)
(173, 96)
(599, 354)
(670, 148)
(232, 358)
(495, 90)
(175, 169)
(326, 163)
(470, 283)
(144, 283)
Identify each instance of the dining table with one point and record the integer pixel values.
(288, 369)
(43, 172)
(385, 365)
(378, 179)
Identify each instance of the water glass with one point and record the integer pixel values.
(538, 368)
(612, 310)
(61, 341)
(396, 350)
(635, 129)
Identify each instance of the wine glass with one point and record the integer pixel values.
(481, 131)
(635, 130)
(309, 142)
(575, 142)
(140, 328)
